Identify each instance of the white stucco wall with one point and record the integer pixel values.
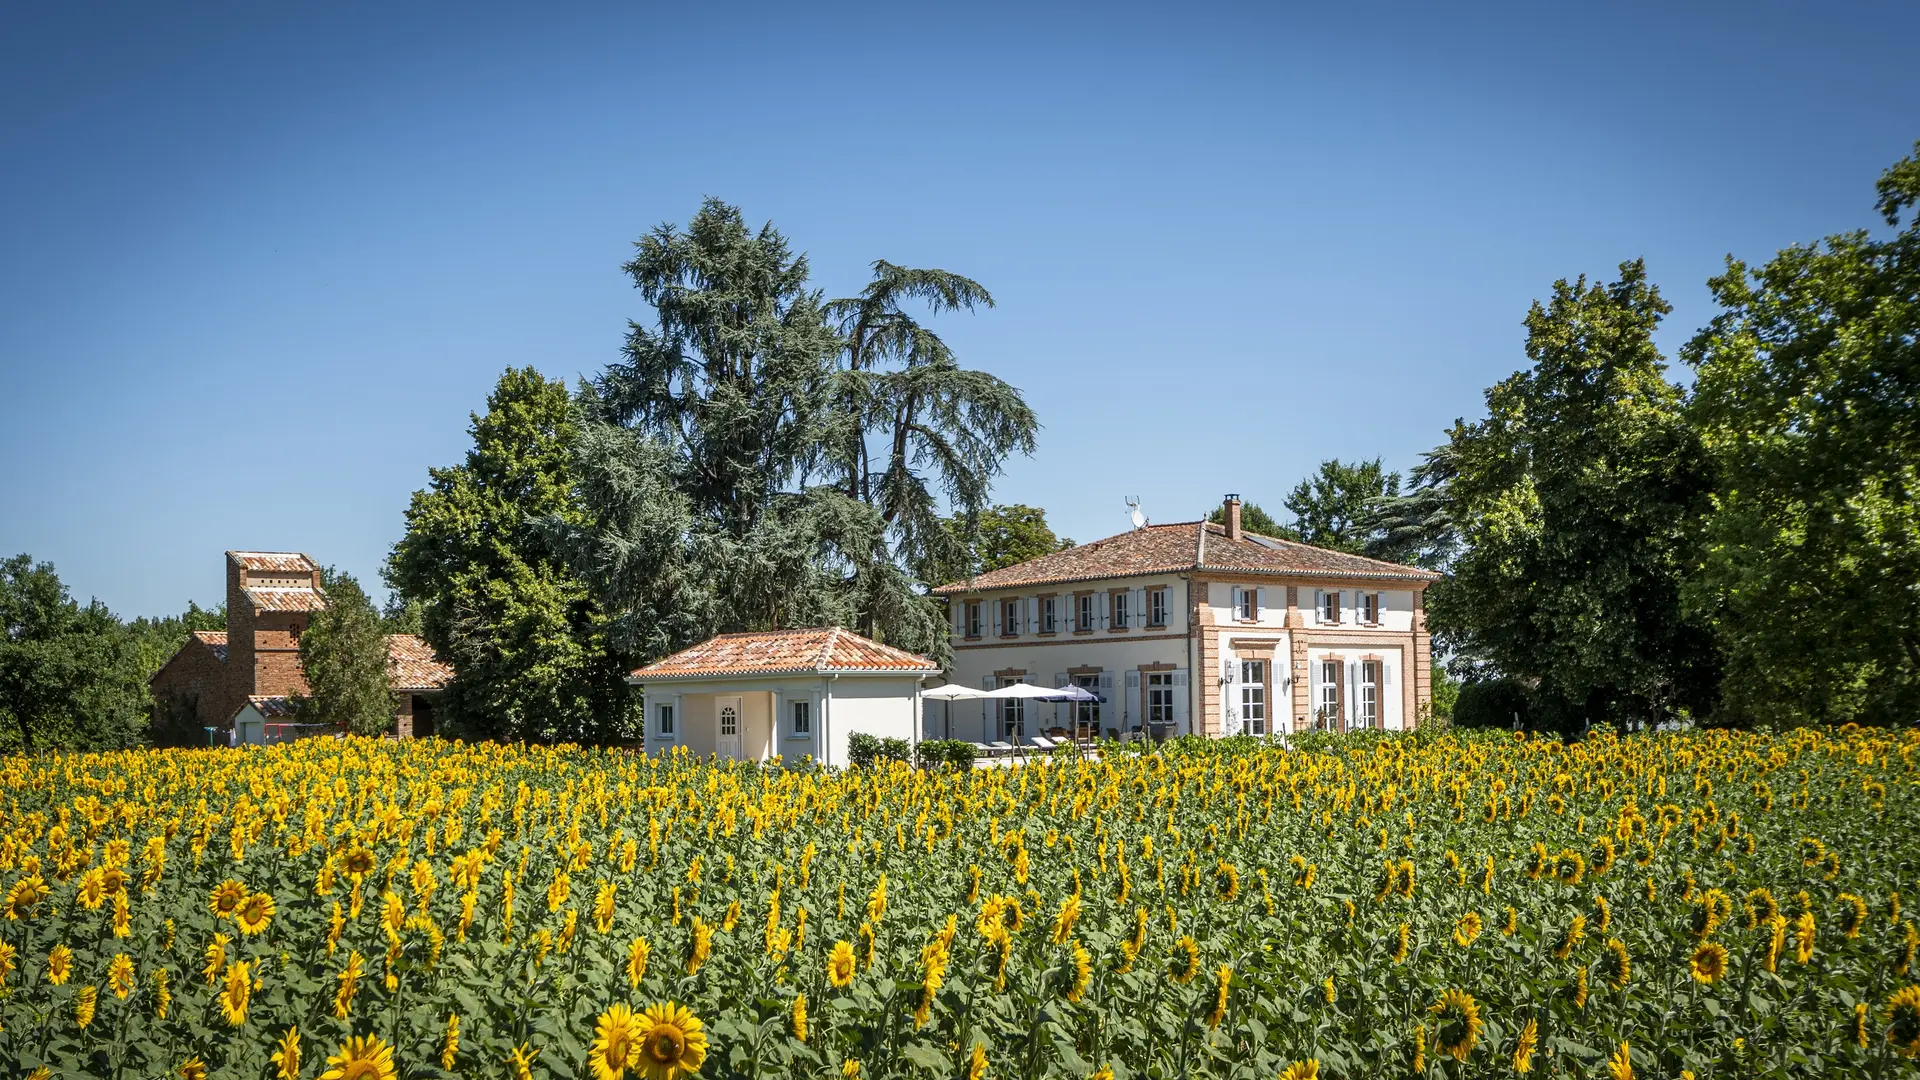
(883, 707)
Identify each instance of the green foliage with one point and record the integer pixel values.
(763, 458)
(1808, 385)
(1574, 498)
(951, 753)
(865, 751)
(1003, 536)
(1490, 703)
(71, 676)
(344, 653)
(1330, 508)
(1415, 527)
(527, 642)
(1255, 520)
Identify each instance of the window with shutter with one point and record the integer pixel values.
(1259, 604)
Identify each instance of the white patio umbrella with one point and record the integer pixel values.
(949, 693)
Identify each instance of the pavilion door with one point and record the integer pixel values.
(727, 737)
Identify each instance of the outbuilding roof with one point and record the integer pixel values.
(411, 664)
(1182, 548)
(824, 650)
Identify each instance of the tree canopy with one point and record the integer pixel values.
(761, 457)
(526, 640)
(71, 676)
(344, 654)
(1806, 397)
(1574, 499)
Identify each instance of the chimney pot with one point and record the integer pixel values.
(1231, 511)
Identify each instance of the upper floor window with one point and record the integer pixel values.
(1049, 614)
(1249, 605)
(1156, 607)
(1009, 617)
(973, 618)
(802, 719)
(1330, 606)
(1370, 607)
(1119, 613)
(1083, 612)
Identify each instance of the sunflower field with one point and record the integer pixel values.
(1703, 904)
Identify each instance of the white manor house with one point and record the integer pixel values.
(1191, 628)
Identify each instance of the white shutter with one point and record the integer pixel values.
(1179, 700)
(1106, 695)
(1236, 602)
(1319, 605)
(1137, 608)
(1260, 605)
(1062, 710)
(1033, 614)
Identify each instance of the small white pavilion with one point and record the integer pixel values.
(786, 693)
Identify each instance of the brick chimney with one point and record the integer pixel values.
(1231, 511)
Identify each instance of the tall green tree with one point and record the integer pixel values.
(1002, 536)
(71, 676)
(1807, 393)
(1415, 527)
(344, 654)
(1330, 508)
(761, 458)
(1574, 499)
(526, 641)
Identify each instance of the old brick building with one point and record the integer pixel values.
(271, 597)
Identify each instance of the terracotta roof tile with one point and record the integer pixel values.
(1186, 547)
(283, 561)
(411, 664)
(285, 599)
(215, 640)
(775, 652)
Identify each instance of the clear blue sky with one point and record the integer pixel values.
(258, 263)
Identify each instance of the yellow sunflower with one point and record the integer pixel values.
(1457, 1024)
(227, 898)
(1523, 1047)
(365, 1057)
(238, 991)
(1620, 1065)
(83, 1005)
(1903, 1021)
(520, 1062)
(59, 965)
(193, 1069)
(254, 913)
(286, 1056)
(1185, 962)
(614, 1044)
(673, 1043)
(1709, 962)
(1302, 1070)
(120, 976)
(841, 965)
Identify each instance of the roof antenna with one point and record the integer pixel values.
(1139, 519)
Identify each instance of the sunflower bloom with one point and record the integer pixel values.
(615, 1043)
(800, 1017)
(83, 1005)
(363, 1057)
(1457, 1024)
(237, 993)
(1185, 963)
(1709, 962)
(841, 965)
(59, 965)
(1223, 982)
(1620, 1065)
(1903, 1021)
(254, 913)
(450, 1047)
(1523, 1046)
(286, 1056)
(1302, 1070)
(673, 1043)
(120, 976)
